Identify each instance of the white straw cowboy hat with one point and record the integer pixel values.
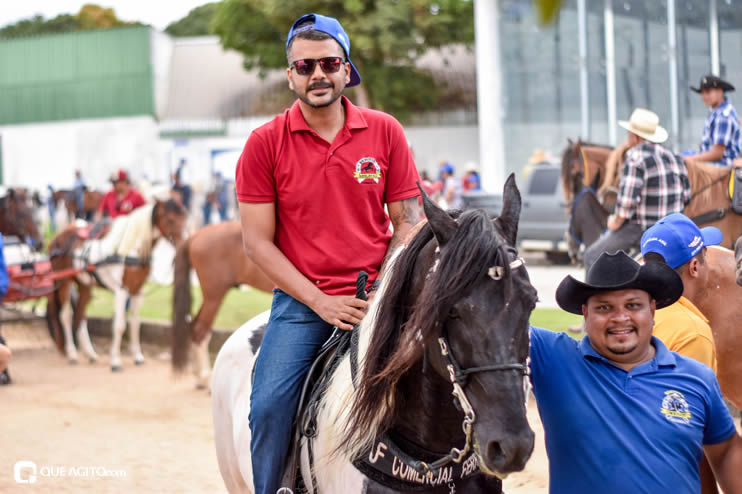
(646, 124)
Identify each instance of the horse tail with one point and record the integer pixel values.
(181, 306)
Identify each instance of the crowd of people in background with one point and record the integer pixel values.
(207, 203)
(447, 189)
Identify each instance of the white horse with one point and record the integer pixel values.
(119, 261)
(456, 289)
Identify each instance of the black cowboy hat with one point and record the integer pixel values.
(712, 82)
(620, 272)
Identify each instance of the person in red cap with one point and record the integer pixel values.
(122, 199)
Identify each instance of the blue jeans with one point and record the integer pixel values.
(292, 339)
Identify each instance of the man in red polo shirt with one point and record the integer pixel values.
(312, 185)
(122, 199)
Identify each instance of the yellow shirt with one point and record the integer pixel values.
(684, 329)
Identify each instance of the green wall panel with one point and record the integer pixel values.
(89, 74)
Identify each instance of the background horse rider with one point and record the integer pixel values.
(653, 183)
(720, 143)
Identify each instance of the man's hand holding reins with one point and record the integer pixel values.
(341, 311)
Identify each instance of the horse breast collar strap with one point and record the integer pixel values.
(393, 466)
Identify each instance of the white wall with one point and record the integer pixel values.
(161, 53)
(35, 155)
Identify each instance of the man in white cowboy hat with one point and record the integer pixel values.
(653, 183)
(720, 143)
(643, 414)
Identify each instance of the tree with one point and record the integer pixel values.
(93, 16)
(36, 25)
(386, 37)
(90, 16)
(196, 23)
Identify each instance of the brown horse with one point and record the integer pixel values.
(119, 261)
(16, 218)
(720, 303)
(597, 168)
(91, 202)
(216, 254)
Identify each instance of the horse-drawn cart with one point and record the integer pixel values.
(35, 279)
(30, 274)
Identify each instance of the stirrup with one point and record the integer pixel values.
(284, 490)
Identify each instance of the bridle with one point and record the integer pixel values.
(459, 376)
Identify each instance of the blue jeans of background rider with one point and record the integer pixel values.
(292, 339)
(627, 236)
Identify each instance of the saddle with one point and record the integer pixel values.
(735, 190)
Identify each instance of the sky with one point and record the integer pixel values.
(158, 13)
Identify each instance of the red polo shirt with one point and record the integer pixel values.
(113, 207)
(330, 218)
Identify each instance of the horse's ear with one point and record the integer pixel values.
(441, 223)
(508, 219)
(570, 142)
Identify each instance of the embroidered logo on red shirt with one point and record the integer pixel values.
(367, 171)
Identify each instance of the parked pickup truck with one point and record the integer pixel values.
(543, 217)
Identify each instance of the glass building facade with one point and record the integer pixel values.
(600, 59)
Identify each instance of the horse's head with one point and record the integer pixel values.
(453, 312)
(169, 217)
(573, 172)
(16, 219)
(480, 301)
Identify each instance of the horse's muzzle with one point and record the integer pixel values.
(508, 455)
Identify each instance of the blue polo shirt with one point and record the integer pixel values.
(617, 432)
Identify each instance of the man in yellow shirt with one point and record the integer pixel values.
(678, 242)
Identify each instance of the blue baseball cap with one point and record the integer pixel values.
(328, 25)
(676, 238)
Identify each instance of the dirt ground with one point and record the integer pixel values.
(139, 431)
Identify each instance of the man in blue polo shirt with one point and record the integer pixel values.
(638, 416)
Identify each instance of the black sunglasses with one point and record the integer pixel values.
(306, 66)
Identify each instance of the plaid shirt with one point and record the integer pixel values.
(654, 183)
(722, 127)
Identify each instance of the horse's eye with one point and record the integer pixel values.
(453, 313)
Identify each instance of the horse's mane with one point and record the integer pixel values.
(613, 164)
(702, 176)
(402, 328)
(131, 234)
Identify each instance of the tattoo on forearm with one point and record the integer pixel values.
(408, 214)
